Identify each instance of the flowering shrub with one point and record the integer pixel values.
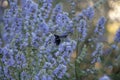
(38, 39)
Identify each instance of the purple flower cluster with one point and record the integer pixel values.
(97, 53)
(100, 26)
(89, 13)
(29, 50)
(46, 8)
(60, 71)
(117, 36)
(82, 29)
(28, 47)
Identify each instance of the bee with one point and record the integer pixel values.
(58, 38)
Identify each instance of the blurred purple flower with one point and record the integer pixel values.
(20, 60)
(105, 77)
(60, 71)
(100, 26)
(46, 8)
(89, 12)
(47, 65)
(82, 29)
(117, 36)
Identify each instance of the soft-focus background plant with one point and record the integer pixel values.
(59, 40)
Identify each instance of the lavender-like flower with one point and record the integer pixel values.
(23, 75)
(82, 29)
(104, 77)
(44, 28)
(20, 60)
(46, 77)
(97, 53)
(89, 12)
(7, 57)
(46, 8)
(60, 71)
(56, 10)
(47, 65)
(100, 26)
(117, 36)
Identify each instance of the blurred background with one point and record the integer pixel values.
(110, 9)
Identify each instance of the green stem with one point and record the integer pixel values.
(76, 63)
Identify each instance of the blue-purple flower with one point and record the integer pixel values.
(117, 36)
(89, 12)
(100, 26)
(60, 71)
(82, 29)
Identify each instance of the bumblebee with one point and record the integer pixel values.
(58, 38)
